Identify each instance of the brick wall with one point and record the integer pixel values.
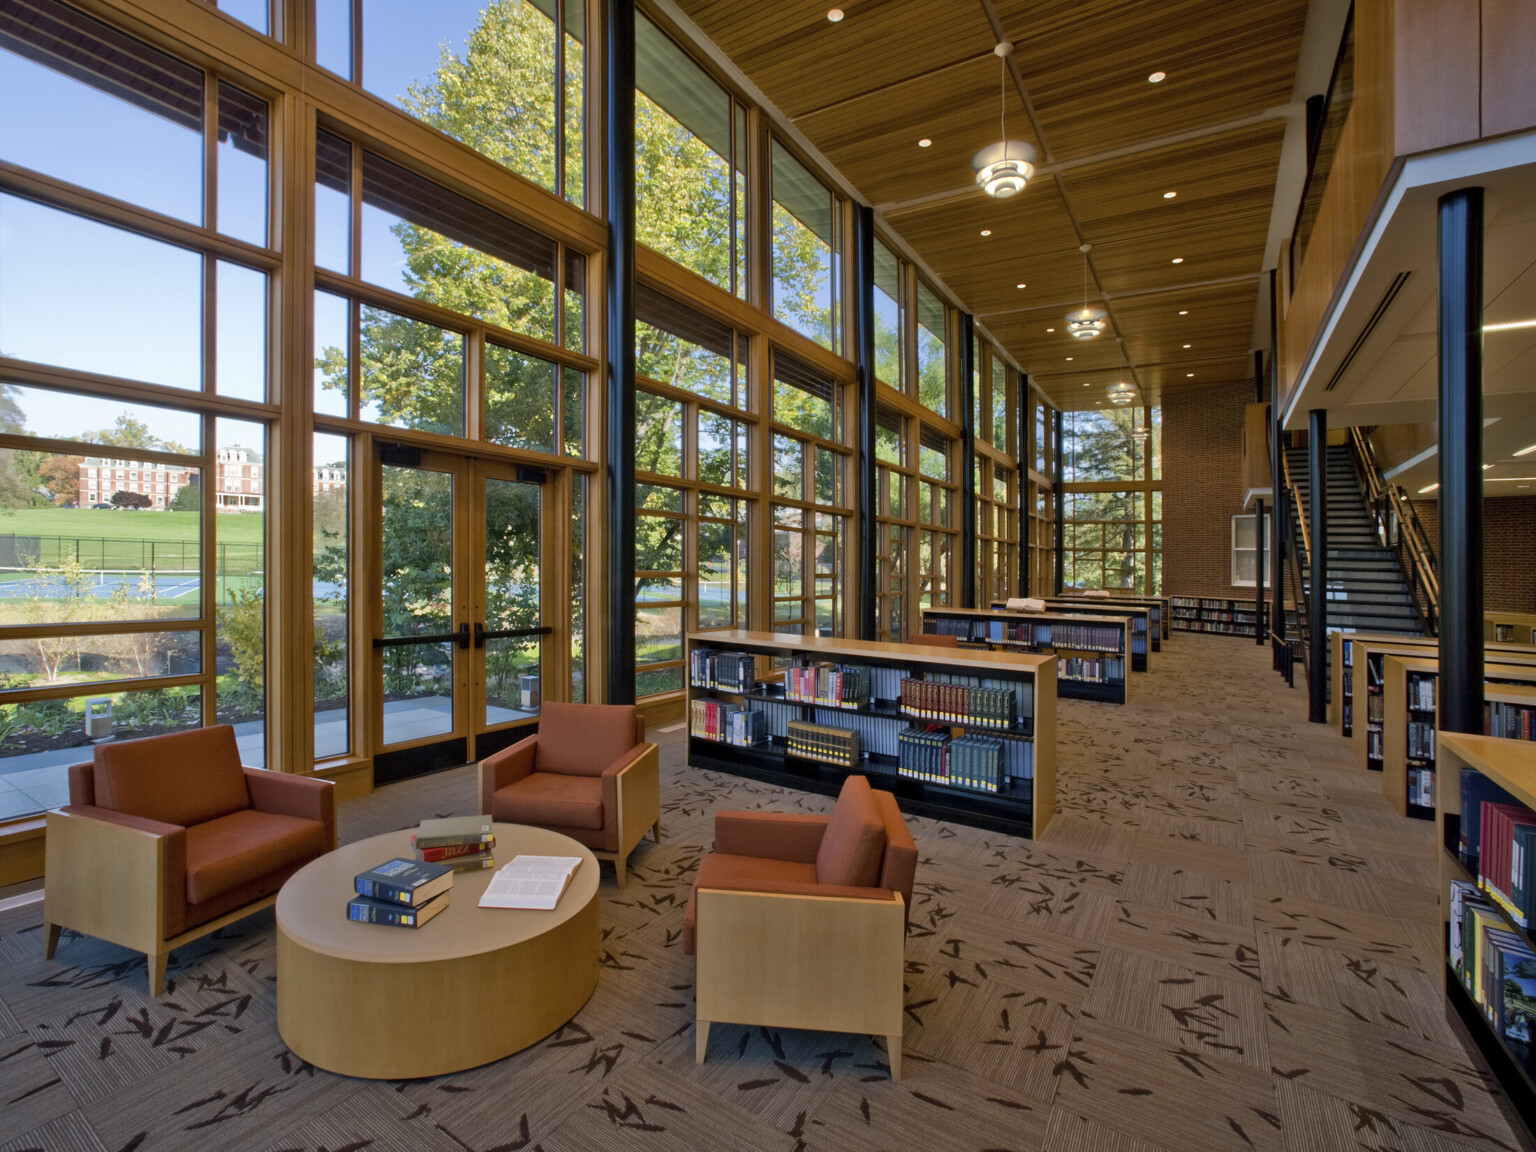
(1509, 548)
(1202, 489)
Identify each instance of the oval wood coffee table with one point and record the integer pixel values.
(470, 986)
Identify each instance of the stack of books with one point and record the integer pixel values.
(402, 893)
(463, 843)
(958, 703)
(733, 671)
(1496, 966)
(727, 723)
(923, 754)
(835, 685)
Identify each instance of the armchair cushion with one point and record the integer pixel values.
(239, 849)
(284, 794)
(181, 778)
(584, 739)
(549, 800)
(851, 849)
(772, 835)
(508, 766)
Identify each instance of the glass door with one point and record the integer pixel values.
(460, 620)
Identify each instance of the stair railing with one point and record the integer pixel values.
(1390, 505)
(1294, 557)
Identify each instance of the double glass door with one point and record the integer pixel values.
(460, 633)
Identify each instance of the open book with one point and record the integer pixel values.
(530, 882)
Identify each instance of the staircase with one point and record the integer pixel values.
(1365, 587)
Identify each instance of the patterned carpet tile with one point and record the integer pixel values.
(1225, 940)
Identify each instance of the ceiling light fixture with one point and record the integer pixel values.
(1183, 311)
(1430, 488)
(1486, 467)
(1086, 322)
(1050, 329)
(1189, 375)
(1526, 451)
(1122, 392)
(834, 14)
(986, 231)
(1169, 195)
(1189, 345)
(1157, 77)
(1004, 168)
(924, 142)
(1510, 326)
(1178, 260)
(1021, 285)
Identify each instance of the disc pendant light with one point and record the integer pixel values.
(1086, 322)
(1004, 168)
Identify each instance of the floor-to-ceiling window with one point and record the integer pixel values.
(1112, 505)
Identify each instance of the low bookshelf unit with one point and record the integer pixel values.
(956, 734)
(1486, 792)
(1090, 650)
(1156, 608)
(1223, 617)
(1410, 723)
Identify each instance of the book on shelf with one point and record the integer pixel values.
(447, 853)
(835, 685)
(987, 706)
(531, 882)
(1476, 790)
(453, 830)
(732, 671)
(727, 723)
(1504, 864)
(1495, 965)
(1421, 786)
(1511, 721)
(367, 910)
(823, 743)
(400, 881)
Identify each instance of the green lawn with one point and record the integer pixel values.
(96, 523)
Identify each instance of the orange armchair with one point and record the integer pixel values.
(800, 921)
(168, 838)
(587, 773)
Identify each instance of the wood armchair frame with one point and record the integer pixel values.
(832, 963)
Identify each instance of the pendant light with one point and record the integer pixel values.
(1122, 393)
(1086, 323)
(1004, 168)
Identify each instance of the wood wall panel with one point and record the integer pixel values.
(1437, 58)
(1509, 66)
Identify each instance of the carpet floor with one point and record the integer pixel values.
(1226, 940)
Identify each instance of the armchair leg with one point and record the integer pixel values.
(893, 1051)
(700, 1040)
(656, 830)
(157, 972)
(51, 939)
(619, 870)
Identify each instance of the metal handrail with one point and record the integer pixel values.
(1295, 498)
(1389, 500)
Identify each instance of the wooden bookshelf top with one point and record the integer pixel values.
(1501, 670)
(1382, 641)
(1020, 614)
(841, 648)
(1509, 763)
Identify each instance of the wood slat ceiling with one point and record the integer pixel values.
(893, 71)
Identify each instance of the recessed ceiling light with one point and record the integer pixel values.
(1157, 77)
(1169, 195)
(1188, 375)
(1526, 451)
(1178, 259)
(1086, 384)
(1522, 485)
(986, 231)
(1429, 488)
(834, 14)
(1189, 345)
(1069, 357)
(1509, 327)
(1183, 311)
(1486, 467)
(924, 142)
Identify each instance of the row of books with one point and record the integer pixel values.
(1496, 966)
(733, 671)
(1497, 843)
(1512, 721)
(1035, 633)
(1421, 739)
(728, 723)
(958, 703)
(1421, 786)
(973, 761)
(834, 685)
(1095, 669)
(823, 743)
(1421, 693)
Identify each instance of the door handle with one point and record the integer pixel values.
(479, 633)
(462, 636)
